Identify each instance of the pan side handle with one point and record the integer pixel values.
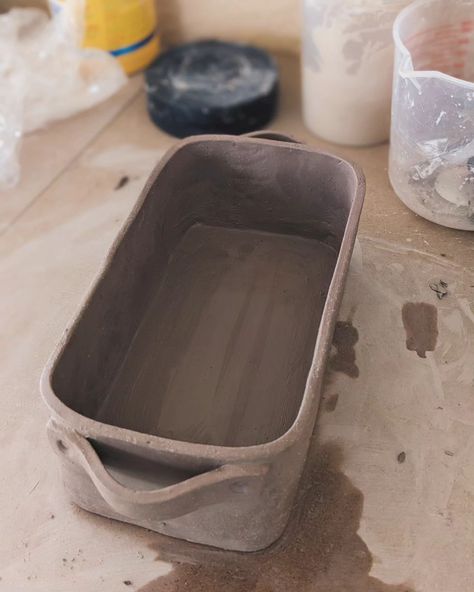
(270, 135)
(169, 502)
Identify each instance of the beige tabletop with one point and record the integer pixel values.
(416, 509)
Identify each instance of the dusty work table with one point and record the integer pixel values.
(396, 475)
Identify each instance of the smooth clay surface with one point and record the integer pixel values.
(222, 355)
(210, 307)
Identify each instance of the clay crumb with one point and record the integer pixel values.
(122, 182)
(440, 288)
(439, 408)
(52, 517)
(127, 582)
(401, 457)
(64, 560)
(443, 255)
(448, 453)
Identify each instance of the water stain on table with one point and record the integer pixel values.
(320, 551)
(420, 320)
(344, 360)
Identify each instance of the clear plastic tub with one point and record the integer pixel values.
(432, 139)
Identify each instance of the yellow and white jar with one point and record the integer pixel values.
(124, 28)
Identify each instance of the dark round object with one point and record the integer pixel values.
(212, 87)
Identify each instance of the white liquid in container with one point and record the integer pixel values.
(348, 68)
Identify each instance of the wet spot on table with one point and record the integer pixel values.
(320, 550)
(420, 320)
(344, 360)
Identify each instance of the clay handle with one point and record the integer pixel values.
(269, 135)
(168, 502)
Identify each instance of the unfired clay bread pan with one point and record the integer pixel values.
(184, 394)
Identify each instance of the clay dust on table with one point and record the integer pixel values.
(320, 551)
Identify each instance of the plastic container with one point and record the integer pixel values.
(432, 142)
(125, 28)
(348, 69)
(184, 396)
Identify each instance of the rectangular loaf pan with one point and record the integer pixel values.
(184, 394)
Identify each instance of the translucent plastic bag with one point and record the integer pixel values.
(45, 76)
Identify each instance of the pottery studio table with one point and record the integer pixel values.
(404, 426)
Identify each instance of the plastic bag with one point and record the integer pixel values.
(45, 76)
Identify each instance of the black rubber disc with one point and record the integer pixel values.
(212, 87)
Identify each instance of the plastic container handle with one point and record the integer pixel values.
(168, 502)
